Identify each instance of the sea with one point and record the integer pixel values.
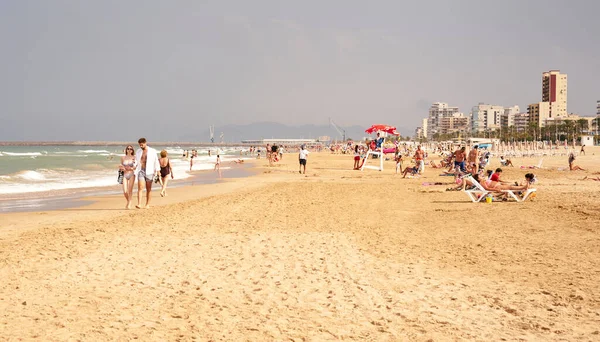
(32, 172)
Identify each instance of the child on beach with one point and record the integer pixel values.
(356, 157)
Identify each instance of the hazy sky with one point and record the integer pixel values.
(101, 70)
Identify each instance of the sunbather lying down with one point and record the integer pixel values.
(494, 186)
(597, 179)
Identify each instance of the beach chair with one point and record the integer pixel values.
(517, 198)
(478, 192)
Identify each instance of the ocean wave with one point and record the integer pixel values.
(29, 175)
(22, 154)
(93, 151)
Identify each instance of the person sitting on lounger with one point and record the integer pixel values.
(574, 167)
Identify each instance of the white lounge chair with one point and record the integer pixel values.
(478, 193)
(517, 198)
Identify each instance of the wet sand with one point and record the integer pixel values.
(334, 254)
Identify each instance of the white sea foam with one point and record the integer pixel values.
(22, 154)
(93, 151)
(30, 175)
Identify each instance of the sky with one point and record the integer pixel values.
(109, 70)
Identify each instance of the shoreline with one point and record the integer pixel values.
(78, 197)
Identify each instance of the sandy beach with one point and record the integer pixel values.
(335, 254)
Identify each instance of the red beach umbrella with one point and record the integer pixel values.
(382, 128)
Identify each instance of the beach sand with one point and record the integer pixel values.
(334, 254)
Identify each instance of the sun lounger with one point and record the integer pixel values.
(477, 193)
(516, 197)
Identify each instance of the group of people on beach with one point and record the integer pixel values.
(145, 165)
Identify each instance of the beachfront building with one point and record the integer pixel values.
(508, 118)
(424, 128)
(287, 142)
(454, 124)
(539, 113)
(598, 108)
(584, 124)
(437, 111)
(485, 117)
(521, 121)
(554, 91)
(419, 133)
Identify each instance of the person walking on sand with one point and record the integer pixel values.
(128, 167)
(419, 155)
(147, 169)
(302, 158)
(165, 171)
(218, 163)
(472, 159)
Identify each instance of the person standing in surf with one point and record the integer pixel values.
(147, 169)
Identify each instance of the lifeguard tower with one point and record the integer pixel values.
(383, 131)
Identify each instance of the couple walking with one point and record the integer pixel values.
(148, 168)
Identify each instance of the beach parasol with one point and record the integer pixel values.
(382, 128)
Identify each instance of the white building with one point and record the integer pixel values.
(598, 107)
(424, 128)
(490, 117)
(508, 118)
(437, 111)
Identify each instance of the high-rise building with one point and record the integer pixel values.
(424, 128)
(598, 107)
(457, 123)
(521, 121)
(554, 91)
(489, 117)
(508, 118)
(539, 113)
(437, 111)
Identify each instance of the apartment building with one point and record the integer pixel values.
(508, 118)
(458, 123)
(490, 117)
(539, 113)
(554, 91)
(437, 111)
(521, 121)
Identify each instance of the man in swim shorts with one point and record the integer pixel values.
(147, 169)
(459, 159)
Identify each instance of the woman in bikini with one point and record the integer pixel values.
(128, 167)
(165, 171)
(529, 179)
(574, 167)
